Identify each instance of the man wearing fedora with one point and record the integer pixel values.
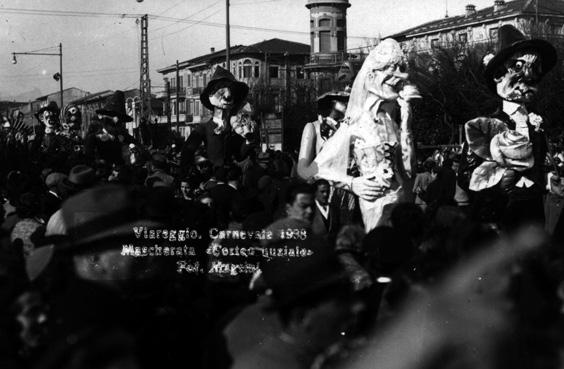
(223, 95)
(506, 151)
(109, 140)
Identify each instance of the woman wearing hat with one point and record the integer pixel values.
(224, 96)
(506, 150)
(315, 134)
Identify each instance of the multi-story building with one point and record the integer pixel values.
(69, 94)
(544, 18)
(92, 102)
(328, 27)
(273, 69)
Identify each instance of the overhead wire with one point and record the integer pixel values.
(188, 17)
(154, 17)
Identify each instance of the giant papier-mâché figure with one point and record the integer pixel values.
(507, 150)
(375, 135)
(224, 96)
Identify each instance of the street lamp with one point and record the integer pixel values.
(58, 76)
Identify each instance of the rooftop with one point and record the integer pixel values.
(509, 9)
(272, 47)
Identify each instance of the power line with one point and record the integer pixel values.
(189, 26)
(66, 13)
(173, 6)
(188, 17)
(154, 17)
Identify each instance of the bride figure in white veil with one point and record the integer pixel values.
(376, 136)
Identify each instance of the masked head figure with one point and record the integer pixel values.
(223, 96)
(506, 150)
(377, 128)
(48, 115)
(108, 141)
(72, 121)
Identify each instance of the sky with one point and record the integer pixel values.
(102, 52)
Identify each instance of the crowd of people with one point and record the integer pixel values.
(215, 254)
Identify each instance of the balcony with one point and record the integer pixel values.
(328, 58)
(195, 91)
(181, 90)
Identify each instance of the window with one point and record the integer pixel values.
(341, 22)
(182, 107)
(180, 81)
(312, 40)
(247, 69)
(340, 41)
(257, 70)
(324, 41)
(273, 71)
(311, 23)
(173, 83)
(204, 78)
(240, 70)
(325, 22)
(435, 43)
(189, 106)
(189, 80)
(463, 37)
(493, 33)
(300, 72)
(277, 104)
(196, 108)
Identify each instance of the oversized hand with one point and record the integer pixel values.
(367, 189)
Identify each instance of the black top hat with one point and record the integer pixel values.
(115, 107)
(239, 90)
(324, 101)
(51, 106)
(510, 40)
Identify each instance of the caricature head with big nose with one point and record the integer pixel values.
(518, 66)
(388, 72)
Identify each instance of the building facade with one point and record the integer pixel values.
(328, 41)
(534, 18)
(273, 69)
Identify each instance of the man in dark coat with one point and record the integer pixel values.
(506, 151)
(326, 220)
(223, 95)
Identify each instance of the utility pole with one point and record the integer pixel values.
(167, 87)
(227, 36)
(177, 105)
(537, 15)
(61, 74)
(144, 78)
(287, 97)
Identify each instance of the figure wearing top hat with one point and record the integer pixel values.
(506, 151)
(108, 141)
(223, 95)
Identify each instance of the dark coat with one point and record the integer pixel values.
(321, 226)
(220, 148)
(505, 203)
(223, 197)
